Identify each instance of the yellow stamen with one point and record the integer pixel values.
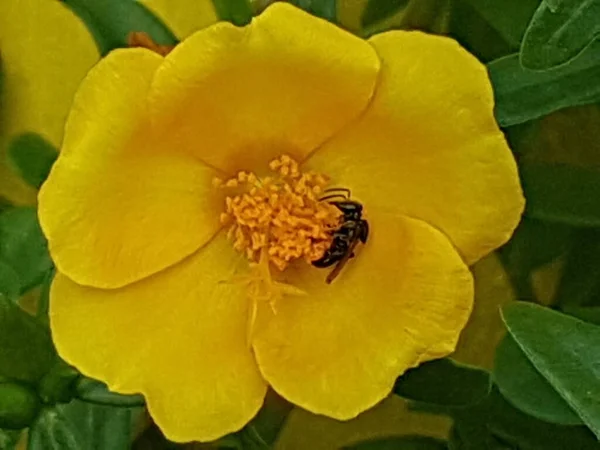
(275, 220)
(262, 288)
(281, 214)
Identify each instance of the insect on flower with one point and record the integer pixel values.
(353, 228)
(237, 192)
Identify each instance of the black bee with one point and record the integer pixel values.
(353, 229)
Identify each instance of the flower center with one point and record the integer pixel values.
(280, 215)
(275, 220)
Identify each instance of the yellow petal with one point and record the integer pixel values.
(337, 351)
(178, 337)
(183, 17)
(238, 97)
(45, 51)
(120, 203)
(429, 146)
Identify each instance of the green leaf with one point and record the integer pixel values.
(26, 350)
(327, 9)
(430, 16)
(476, 34)
(518, 430)
(591, 315)
(251, 439)
(19, 406)
(564, 350)
(58, 385)
(495, 424)
(445, 383)
(52, 431)
(238, 12)
(101, 427)
(231, 441)
(534, 244)
(32, 157)
(9, 439)
(81, 426)
(44, 299)
(4, 205)
(262, 431)
(522, 385)
(580, 280)
(377, 10)
(509, 17)
(400, 443)
(111, 21)
(302, 4)
(557, 35)
(10, 284)
(23, 246)
(93, 391)
(562, 193)
(522, 94)
(465, 435)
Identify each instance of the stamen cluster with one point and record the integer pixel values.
(279, 214)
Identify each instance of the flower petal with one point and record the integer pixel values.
(120, 204)
(238, 97)
(46, 51)
(338, 350)
(178, 337)
(183, 17)
(429, 146)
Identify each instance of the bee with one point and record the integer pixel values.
(353, 229)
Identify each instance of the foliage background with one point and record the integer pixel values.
(535, 387)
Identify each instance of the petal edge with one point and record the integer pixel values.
(403, 300)
(429, 146)
(178, 337)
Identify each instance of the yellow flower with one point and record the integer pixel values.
(45, 52)
(183, 214)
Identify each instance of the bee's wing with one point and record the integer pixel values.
(342, 262)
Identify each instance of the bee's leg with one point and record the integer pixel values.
(330, 257)
(331, 196)
(349, 226)
(346, 191)
(364, 231)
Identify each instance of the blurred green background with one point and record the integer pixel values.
(536, 386)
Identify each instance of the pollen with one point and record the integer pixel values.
(279, 215)
(273, 221)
